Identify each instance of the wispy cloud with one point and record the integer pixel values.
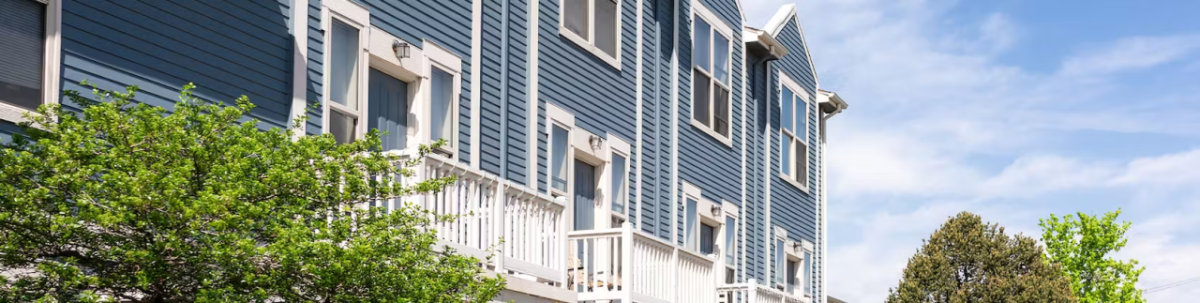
(1131, 54)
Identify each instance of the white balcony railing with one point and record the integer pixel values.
(628, 265)
(751, 292)
(523, 228)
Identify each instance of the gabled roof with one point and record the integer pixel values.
(775, 26)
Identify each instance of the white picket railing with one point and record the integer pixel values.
(628, 265)
(522, 227)
(751, 292)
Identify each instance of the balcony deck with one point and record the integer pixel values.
(752, 292)
(628, 265)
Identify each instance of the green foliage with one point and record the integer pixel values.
(130, 202)
(967, 260)
(1081, 245)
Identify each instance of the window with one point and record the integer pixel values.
(806, 283)
(559, 137)
(619, 183)
(791, 277)
(343, 77)
(442, 105)
(28, 68)
(708, 237)
(444, 90)
(710, 77)
(779, 262)
(594, 25)
(690, 218)
(730, 241)
(793, 131)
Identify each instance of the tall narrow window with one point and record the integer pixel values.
(23, 49)
(619, 184)
(689, 227)
(730, 241)
(710, 83)
(793, 129)
(779, 262)
(790, 278)
(807, 281)
(594, 25)
(344, 71)
(558, 158)
(442, 107)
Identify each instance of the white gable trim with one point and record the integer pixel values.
(775, 26)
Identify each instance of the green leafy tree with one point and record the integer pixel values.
(967, 260)
(130, 202)
(1082, 246)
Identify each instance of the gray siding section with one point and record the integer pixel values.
(755, 208)
(315, 88)
(791, 208)
(227, 48)
(490, 97)
(657, 49)
(446, 23)
(515, 88)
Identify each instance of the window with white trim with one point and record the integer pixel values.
(710, 78)
(445, 88)
(595, 25)
(345, 77)
(560, 137)
(28, 66)
(730, 246)
(806, 281)
(793, 132)
(620, 183)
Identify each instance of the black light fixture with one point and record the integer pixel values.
(401, 49)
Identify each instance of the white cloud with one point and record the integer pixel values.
(1174, 169)
(1131, 54)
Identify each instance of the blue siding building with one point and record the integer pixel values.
(632, 150)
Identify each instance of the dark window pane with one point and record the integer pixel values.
(700, 99)
(22, 47)
(721, 102)
(341, 126)
(801, 119)
(701, 46)
(707, 237)
(791, 277)
(801, 161)
(575, 16)
(606, 26)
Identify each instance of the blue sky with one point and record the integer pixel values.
(1012, 109)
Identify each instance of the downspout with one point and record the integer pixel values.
(766, 66)
(824, 210)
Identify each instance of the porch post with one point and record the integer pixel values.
(627, 272)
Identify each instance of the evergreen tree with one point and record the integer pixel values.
(967, 260)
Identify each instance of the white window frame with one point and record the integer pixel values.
(704, 215)
(357, 16)
(805, 284)
(51, 64)
(717, 27)
(800, 96)
(556, 116)
(589, 44)
(440, 58)
(780, 261)
(619, 147)
(731, 211)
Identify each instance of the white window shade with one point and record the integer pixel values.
(22, 45)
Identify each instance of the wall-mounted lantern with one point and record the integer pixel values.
(401, 49)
